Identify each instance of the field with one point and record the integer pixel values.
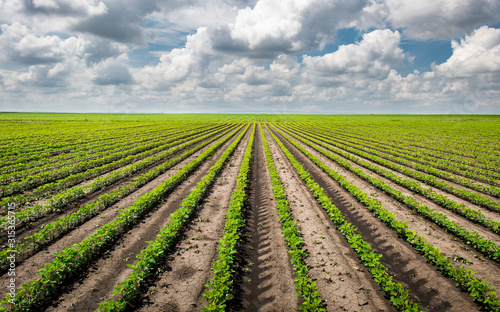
(249, 212)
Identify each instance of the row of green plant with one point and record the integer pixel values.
(71, 180)
(219, 289)
(429, 139)
(306, 287)
(483, 245)
(442, 200)
(68, 196)
(49, 155)
(80, 152)
(72, 261)
(33, 143)
(416, 154)
(41, 178)
(478, 289)
(106, 148)
(397, 293)
(466, 170)
(428, 167)
(61, 137)
(472, 197)
(58, 228)
(152, 257)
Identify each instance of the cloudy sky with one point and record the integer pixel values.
(273, 56)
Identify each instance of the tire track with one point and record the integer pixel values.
(267, 282)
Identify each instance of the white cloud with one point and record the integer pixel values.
(426, 19)
(478, 53)
(372, 58)
(18, 44)
(65, 7)
(272, 27)
(244, 55)
(111, 72)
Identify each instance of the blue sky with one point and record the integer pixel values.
(310, 56)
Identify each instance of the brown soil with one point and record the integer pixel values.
(264, 277)
(429, 287)
(90, 197)
(412, 160)
(451, 196)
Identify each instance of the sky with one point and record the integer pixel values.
(252, 56)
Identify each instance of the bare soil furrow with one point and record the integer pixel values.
(427, 286)
(267, 279)
(92, 196)
(489, 214)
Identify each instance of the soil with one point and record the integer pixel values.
(449, 245)
(189, 267)
(341, 279)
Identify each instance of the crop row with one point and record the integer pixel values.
(397, 293)
(430, 169)
(442, 200)
(477, 289)
(472, 197)
(219, 288)
(53, 187)
(49, 153)
(486, 246)
(71, 261)
(112, 141)
(417, 154)
(152, 257)
(104, 150)
(56, 229)
(465, 170)
(422, 140)
(73, 169)
(68, 196)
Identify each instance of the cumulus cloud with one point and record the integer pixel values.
(478, 53)
(272, 27)
(47, 75)
(18, 44)
(123, 20)
(426, 19)
(64, 7)
(372, 58)
(111, 72)
(245, 54)
(95, 51)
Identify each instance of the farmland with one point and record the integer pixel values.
(249, 212)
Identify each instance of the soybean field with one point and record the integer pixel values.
(250, 213)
